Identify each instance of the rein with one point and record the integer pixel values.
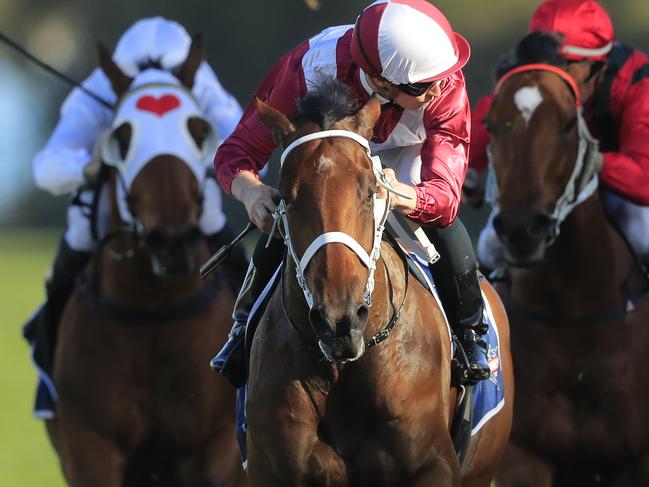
(584, 169)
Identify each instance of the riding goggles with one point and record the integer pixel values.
(417, 89)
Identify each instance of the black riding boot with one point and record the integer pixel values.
(42, 328)
(231, 360)
(236, 264)
(457, 281)
(469, 326)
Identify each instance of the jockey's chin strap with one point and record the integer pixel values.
(583, 181)
(381, 211)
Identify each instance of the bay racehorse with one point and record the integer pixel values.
(579, 328)
(137, 402)
(349, 378)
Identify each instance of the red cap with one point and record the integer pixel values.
(586, 26)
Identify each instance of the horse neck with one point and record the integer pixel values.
(588, 263)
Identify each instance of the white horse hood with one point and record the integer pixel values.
(158, 109)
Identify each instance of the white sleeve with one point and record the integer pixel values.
(58, 168)
(220, 108)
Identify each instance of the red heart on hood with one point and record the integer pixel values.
(159, 106)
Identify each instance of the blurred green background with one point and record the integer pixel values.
(243, 39)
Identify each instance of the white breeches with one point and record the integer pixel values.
(633, 220)
(78, 234)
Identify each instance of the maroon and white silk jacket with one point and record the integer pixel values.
(441, 128)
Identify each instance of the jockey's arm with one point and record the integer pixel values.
(251, 144)
(473, 188)
(59, 167)
(245, 152)
(444, 157)
(627, 171)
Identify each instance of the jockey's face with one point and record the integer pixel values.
(587, 74)
(406, 98)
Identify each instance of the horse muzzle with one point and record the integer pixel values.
(340, 339)
(172, 255)
(524, 236)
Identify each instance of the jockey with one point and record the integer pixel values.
(616, 108)
(406, 53)
(70, 161)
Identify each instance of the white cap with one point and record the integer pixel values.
(153, 39)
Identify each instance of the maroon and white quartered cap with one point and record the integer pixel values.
(407, 41)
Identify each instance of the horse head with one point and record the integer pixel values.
(541, 152)
(327, 187)
(158, 147)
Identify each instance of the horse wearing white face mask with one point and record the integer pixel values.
(137, 403)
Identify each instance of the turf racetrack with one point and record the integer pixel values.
(26, 458)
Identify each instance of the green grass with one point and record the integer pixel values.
(26, 457)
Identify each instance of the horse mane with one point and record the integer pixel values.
(535, 47)
(150, 63)
(329, 102)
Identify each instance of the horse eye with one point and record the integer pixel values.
(199, 130)
(571, 123)
(122, 135)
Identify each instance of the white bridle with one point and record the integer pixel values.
(381, 211)
(581, 185)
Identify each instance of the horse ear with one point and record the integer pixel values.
(278, 123)
(367, 117)
(186, 73)
(118, 80)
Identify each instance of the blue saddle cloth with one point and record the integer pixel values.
(488, 396)
(46, 395)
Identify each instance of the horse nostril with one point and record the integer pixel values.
(538, 226)
(320, 325)
(156, 239)
(361, 315)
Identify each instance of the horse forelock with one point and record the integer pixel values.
(534, 48)
(327, 103)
